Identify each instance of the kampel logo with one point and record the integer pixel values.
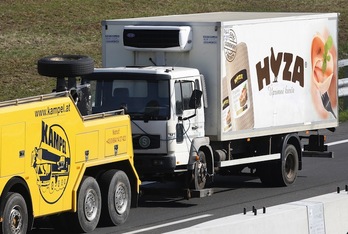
(51, 161)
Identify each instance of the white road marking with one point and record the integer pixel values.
(337, 142)
(169, 224)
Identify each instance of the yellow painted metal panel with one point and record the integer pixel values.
(116, 140)
(13, 149)
(87, 145)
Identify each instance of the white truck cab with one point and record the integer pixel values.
(166, 108)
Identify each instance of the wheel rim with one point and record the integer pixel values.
(200, 172)
(290, 167)
(121, 200)
(16, 219)
(91, 205)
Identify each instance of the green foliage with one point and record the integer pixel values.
(343, 116)
(343, 109)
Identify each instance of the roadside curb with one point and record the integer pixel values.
(323, 214)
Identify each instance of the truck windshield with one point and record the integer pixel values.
(142, 99)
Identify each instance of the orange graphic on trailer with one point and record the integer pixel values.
(324, 75)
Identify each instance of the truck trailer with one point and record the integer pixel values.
(221, 92)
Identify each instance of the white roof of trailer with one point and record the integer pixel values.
(214, 17)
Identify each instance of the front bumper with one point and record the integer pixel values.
(154, 165)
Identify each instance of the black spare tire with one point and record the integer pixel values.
(65, 65)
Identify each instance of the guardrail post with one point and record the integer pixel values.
(343, 65)
(345, 98)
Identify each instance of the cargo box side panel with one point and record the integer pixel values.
(113, 52)
(280, 76)
(205, 56)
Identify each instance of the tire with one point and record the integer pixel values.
(65, 65)
(200, 172)
(289, 167)
(281, 172)
(116, 197)
(15, 214)
(88, 205)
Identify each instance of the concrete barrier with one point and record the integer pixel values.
(326, 214)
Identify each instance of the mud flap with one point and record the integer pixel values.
(316, 147)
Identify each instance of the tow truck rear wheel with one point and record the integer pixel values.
(88, 205)
(116, 197)
(15, 214)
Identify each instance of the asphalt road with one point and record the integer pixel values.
(160, 212)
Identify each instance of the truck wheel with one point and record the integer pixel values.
(65, 65)
(88, 205)
(289, 167)
(281, 172)
(15, 214)
(200, 172)
(116, 197)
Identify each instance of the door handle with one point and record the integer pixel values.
(194, 128)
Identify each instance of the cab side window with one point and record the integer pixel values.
(183, 92)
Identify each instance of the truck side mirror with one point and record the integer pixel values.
(195, 100)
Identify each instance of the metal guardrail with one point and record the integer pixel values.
(343, 83)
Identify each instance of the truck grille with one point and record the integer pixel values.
(146, 141)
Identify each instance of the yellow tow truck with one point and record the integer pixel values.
(58, 160)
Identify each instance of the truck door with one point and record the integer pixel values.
(190, 119)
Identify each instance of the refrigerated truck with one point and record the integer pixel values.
(221, 92)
